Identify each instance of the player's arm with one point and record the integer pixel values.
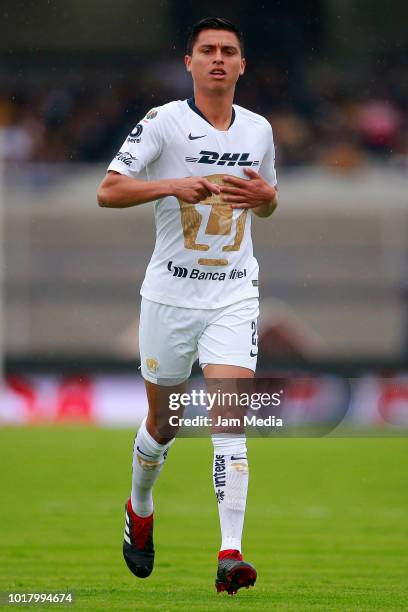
(269, 206)
(260, 192)
(255, 193)
(121, 191)
(265, 210)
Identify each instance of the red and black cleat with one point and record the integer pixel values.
(138, 549)
(233, 573)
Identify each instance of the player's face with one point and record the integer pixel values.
(216, 61)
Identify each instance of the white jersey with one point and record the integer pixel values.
(203, 256)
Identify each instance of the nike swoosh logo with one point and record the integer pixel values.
(235, 458)
(145, 454)
(190, 137)
(253, 354)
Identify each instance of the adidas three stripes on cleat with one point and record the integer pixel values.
(138, 549)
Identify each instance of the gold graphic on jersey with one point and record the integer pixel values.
(212, 262)
(191, 221)
(220, 222)
(239, 234)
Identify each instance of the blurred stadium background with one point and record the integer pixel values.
(76, 78)
(326, 521)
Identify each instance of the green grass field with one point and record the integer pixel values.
(326, 525)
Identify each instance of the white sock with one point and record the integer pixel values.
(230, 474)
(148, 460)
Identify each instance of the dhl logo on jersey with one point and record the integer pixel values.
(223, 159)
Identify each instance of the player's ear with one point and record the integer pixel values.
(187, 62)
(243, 66)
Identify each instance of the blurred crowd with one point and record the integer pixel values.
(320, 115)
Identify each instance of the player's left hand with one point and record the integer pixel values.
(247, 193)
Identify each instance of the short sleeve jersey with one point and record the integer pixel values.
(203, 256)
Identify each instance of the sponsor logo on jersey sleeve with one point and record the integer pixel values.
(125, 157)
(151, 114)
(136, 135)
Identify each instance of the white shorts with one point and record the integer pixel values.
(171, 338)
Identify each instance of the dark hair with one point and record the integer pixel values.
(213, 23)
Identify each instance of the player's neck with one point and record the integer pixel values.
(217, 109)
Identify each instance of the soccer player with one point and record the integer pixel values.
(208, 165)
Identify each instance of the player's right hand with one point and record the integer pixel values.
(194, 189)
